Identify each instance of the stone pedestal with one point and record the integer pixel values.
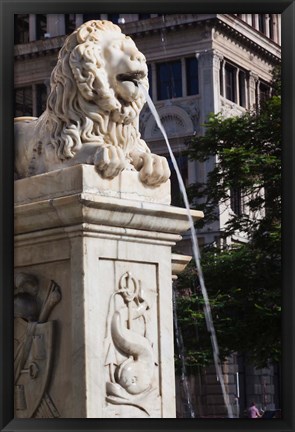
(106, 246)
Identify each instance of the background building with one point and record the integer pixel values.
(198, 64)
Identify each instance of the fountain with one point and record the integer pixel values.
(196, 254)
(93, 243)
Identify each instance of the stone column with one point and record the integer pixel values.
(223, 77)
(154, 81)
(267, 24)
(56, 24)
(256, 21)
(106, 245)
(258, 93)
(32, 27)
(253, 78)
(237, 86)
(278, 28)
(34, 99)
(272, 25)
(209, 66)
(247, 105)
(79, 20)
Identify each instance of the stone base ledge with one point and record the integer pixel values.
(65, 198)
(84, 178)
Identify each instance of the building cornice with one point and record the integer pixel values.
(165, 23)
(225, 23)
(39, 47)
(246, 35)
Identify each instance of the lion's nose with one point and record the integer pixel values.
(137, 56)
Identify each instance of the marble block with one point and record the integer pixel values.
(95, 261)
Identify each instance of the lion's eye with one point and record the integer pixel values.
(116, 45)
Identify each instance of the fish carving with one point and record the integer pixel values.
(136, 372)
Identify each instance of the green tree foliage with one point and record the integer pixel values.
(244, 281)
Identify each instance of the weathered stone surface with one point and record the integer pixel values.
(112, 259)
(92, 214)
(84, 178)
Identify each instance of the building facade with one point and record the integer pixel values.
(198, 64)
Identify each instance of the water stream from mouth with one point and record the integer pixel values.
(196, 254)
(181, 355)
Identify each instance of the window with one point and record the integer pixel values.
(176, 195)
(242, 88)
(235, 83)
(70, 23)
(230, 82)
(41, 98)
(23, 102)
(144, 16)
(41, 26)
(28, 103)
(21, 28)
(169, 80)
(114, 18)
(90, 17)
(264, 91)
(192, 78)
(150, 77)
(236, 201)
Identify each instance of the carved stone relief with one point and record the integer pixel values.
(129, 354)
(33, 346)
(175, 120)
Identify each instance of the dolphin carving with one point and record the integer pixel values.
(134, 374)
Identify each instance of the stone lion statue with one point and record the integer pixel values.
(92, 112)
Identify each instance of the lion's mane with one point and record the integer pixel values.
(82, 107)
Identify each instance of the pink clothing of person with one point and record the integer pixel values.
(253, 412)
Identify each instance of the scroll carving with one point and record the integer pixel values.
(33, 346)
(129, 352)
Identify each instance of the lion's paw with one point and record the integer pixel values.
(109, 161)
(153, 169)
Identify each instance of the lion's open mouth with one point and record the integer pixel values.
(131, 76)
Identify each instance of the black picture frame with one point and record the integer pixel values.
(8, 9)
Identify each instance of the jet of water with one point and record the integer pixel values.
(196, 254)
(180, 346)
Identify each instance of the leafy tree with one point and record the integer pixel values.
(244, 281)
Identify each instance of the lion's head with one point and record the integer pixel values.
(94, 94)
(92, 111)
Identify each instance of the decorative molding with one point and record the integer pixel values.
(209, 58)
(175, 120)
(253, 76)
